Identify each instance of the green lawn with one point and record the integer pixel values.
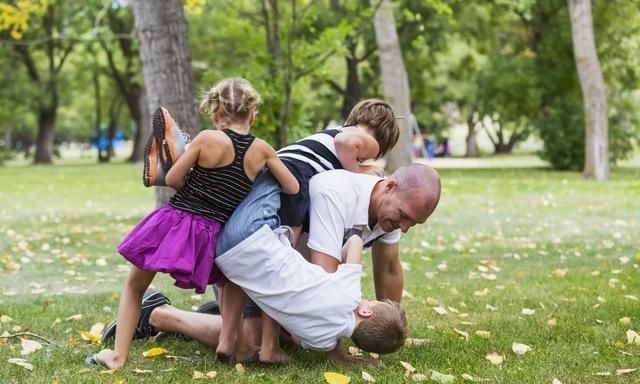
(501, 241)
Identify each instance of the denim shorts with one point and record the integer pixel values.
(260, 207)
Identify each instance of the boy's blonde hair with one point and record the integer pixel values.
(232, 100)
(385, 331)
(378, 116)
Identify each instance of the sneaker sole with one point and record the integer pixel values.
(166, 143)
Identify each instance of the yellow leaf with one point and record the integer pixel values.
(336, 378)
(461, 333)
(138, 370)
(367, 377)
(197, 375)
(633, 337)
(211, 374)
(153, 352)
(56, 322)
(419, 377)
(74, 317)
(94, 339)
(483, 334)
(520, 349)
(29, 346)
(5, 319)
(625, 370)
(239, 368)
(624, 321)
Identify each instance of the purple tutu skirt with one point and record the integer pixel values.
(175, 242)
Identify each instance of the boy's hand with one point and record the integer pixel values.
(352, 250)
(371, 169)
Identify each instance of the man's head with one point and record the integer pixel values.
(379, 118)
(407, 198)
(381, 326)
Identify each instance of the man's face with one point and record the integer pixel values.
(398, 212)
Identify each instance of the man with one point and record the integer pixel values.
(342, 203)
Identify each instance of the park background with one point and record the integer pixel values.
(535, 240)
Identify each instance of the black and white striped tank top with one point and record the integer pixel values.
(313, 154)
(216, 192)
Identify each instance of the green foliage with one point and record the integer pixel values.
(561, 128)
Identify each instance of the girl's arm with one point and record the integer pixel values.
(176, 176)
(352, 147)
(287, 181)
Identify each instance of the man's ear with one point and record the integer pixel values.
(390, 186)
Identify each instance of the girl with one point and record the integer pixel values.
(211, 178)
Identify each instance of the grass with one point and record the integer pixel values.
(502, 240)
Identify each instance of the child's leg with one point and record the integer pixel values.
(270, 351)
(232, 343)
(136, 284)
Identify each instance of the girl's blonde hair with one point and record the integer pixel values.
(233, 100)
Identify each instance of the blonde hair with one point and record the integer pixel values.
(233, 100)
(385, 331)
(377, 115)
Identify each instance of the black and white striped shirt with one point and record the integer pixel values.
(216, 192)
(313, 154)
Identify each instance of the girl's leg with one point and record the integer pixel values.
(136, 284)
(232, 343)
(270, 351)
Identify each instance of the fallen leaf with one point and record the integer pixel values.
(374, 355)
(96, 329)
(367, 377)
(56, 322)
(153, 352)
(419, 377)
(624, 321)
(495, 358)
(556, 381)
(239, 368)
(355, 351)
(602, 374)
(528, 311)
(29, 346)
(626, 370)
(552, 322)
(483, 334)
(461, 333)
(21, 362)
(74, 317)
(87, 336)
(412, 341)
(520, 349)
(408, 367)
(440, 310)
(138, 370)
(633, 337)
(5, 319)
(442, 378)
(468, 377)
(336, 378)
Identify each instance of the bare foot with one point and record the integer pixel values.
(108, 359)
(277, 356)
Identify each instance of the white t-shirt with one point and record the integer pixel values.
(315, 306)
(339, 201)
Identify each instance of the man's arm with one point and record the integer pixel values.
(388, 275)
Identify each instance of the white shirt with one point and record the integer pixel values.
(339, 201)
(315, 306)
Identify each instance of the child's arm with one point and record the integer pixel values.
(352, 250)
(287, 181)
(354, 146)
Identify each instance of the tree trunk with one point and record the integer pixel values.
(472, 134)
(166, 65)
(143, 128)
(352, 90)
(395, 82)
(596, 165)
(44, 141)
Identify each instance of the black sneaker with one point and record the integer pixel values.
(151, 299)
(210, 307)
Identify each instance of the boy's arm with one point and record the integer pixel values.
(352, 250)
(388, 276)
(287, 181)
(354, 147)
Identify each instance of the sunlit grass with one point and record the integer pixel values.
(502, 240)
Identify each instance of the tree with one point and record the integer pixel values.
(161, 28)
(395, 82)
(593, 90)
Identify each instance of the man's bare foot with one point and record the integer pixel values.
(277, 356)
(356, 362)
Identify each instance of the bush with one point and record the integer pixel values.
(561, 129)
